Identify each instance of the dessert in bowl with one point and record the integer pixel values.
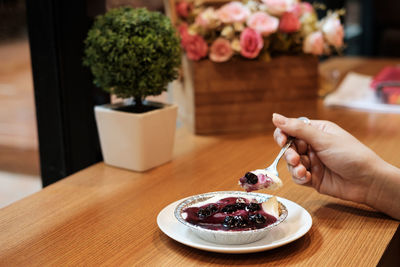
(231, 217)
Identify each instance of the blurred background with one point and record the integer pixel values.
(372, 29)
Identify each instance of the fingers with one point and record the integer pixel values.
(309, 170)
(294, 127)
(298, 157)
(317, 170)
(305, 161)
(298, 171)
(292, 157)
(279, 137)
(298, 166)
(299, 174)
(301, 146)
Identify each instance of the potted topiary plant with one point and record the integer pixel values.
(134, 53)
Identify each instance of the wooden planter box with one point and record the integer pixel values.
(241, 95)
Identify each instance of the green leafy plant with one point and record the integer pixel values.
(132, 52)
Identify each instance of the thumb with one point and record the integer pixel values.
(299, 129)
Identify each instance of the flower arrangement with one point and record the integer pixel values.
(256, 29)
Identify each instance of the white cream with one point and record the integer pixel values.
(277, 182)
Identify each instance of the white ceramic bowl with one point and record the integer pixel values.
(228, 237)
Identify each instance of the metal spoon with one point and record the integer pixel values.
(271, 171)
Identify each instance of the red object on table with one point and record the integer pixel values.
(387, 84)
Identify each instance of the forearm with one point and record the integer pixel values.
(384, 193)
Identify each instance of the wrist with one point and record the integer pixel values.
(383, 192)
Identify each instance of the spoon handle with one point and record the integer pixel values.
(283, 150)
(290, 139)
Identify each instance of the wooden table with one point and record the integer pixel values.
(106, 215)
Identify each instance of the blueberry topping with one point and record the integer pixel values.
(257, 218)
(240, 221)
(240, 206)
(240, 200)
(228, 222)
(243, 180)
(252, 207)
(229, 214)
(229, 208)
(203, 213)
(251, 178)
(234, 222)
(212, 208)
(207, 211)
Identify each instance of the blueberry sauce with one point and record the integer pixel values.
(232, 213)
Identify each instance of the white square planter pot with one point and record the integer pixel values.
(136, 141)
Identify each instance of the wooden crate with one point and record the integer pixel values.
(241, 95)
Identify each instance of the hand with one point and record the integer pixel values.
(327, 158)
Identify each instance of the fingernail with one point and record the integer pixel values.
(279, 119)
(301, 180)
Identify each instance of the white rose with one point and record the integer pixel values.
(235, 44)
(228, 32)
(333, 30)
(238, 26)
(314, 44)
(278, 7)
(252, 5)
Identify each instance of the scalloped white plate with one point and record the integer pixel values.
(297, 224)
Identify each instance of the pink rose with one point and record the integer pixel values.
(289, 23)
(302, 8)
(233, 12)
(183, 8)
(297, 9)
(314, 44)
(263, 23)
(333, 31)
(184, 33)
(278, 7)
(251, 43)
(195, 46)
(221, 50)
(183, 30)
(306, 7)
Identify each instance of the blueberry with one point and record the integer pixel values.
(203, 213)
(239, 221)
(212, 208)
(234, 222)
(257, 218)
(229, 208)
(252, 207)
(251, 178)
(207, 211)
(240, 206)
(228, 222)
